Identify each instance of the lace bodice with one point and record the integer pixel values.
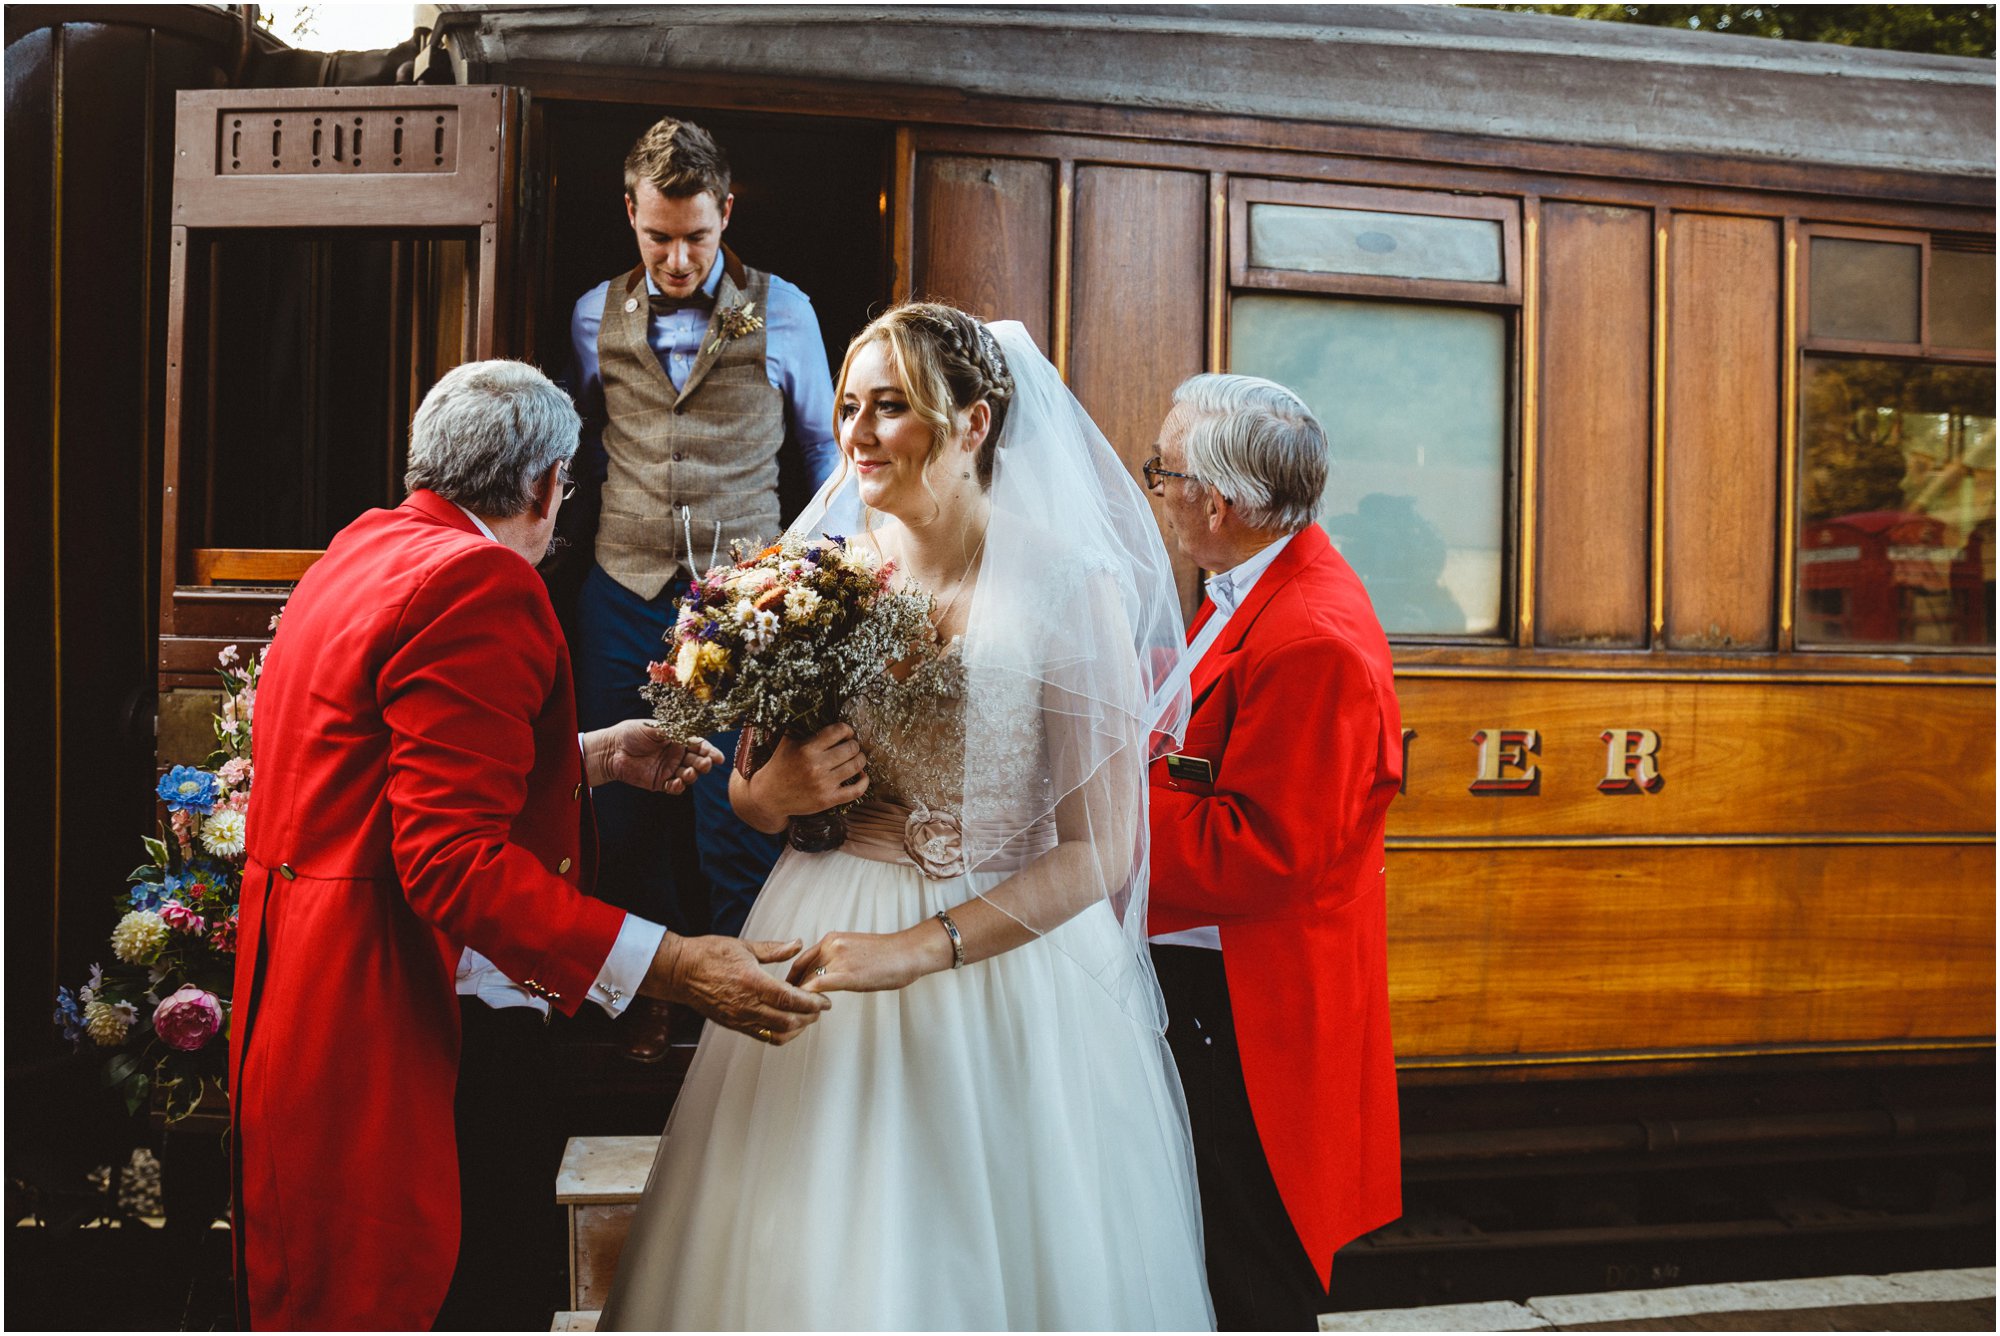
(913, 734)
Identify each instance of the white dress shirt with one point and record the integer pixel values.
(617, 982)
(1227, 590)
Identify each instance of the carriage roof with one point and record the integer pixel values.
(1433, 69)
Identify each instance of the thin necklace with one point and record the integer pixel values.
(937, 619)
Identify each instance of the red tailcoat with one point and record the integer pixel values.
(1295, 711)
(418, 790)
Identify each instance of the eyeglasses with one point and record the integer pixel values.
(567, 483)
(1151, 468)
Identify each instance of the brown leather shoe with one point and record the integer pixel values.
(646, 1026)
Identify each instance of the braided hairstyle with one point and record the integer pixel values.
(949, 362)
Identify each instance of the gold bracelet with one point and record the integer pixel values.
(957, 942)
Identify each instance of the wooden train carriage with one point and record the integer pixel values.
(1659, 368)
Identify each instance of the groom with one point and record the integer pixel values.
(699, 378)
(419, 813)
(1267, 899)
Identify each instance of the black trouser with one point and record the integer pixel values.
(511, 1248)
(1258, 1272)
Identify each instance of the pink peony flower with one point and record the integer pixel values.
(182, 919)
(188, 1019)
(235, 772)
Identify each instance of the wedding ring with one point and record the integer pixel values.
(765, 1035)
(818, 970)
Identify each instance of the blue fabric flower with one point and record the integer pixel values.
(69, 1015)
(148, 894)
(186, 789)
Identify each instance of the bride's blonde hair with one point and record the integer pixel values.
(949, 362)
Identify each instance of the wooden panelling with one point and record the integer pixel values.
(1141, 264)
(1561, 951)
(1722, 441)
(985, 237)
(1596, 346)
(1734, 758)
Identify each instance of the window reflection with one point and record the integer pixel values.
(1414, 402)
(1896, 533)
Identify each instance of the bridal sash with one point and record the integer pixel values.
(932, 840)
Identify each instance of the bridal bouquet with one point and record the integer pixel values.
(777, 643)
(162, 1008)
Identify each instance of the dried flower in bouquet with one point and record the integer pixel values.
(780, 641)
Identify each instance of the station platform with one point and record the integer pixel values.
(1960, 1300)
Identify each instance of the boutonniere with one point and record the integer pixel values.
(734, 323)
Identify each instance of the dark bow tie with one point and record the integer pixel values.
(658, 303)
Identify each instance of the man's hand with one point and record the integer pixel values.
(723, 979)
(635, 752)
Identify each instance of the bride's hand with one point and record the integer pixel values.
(805, 777)
(872, 962)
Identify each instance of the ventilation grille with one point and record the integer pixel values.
(308, 141)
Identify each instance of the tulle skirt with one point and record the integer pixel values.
(995, 1147)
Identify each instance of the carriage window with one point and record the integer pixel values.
(1392, 312)
(1398, 245)
(1414, 398)
(1866, 291)
(1896, 526)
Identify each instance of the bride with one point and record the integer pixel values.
(985, 1131)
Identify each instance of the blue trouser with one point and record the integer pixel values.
(642, 869)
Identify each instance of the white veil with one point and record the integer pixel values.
(1075, 618)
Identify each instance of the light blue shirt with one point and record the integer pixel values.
(794, 360)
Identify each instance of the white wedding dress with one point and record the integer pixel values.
(1001, 1146)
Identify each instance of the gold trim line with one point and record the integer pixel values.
(1218, 276)
(1531, 346)
(1459, 843)
(1659, 498)
(1830, 1049)
(1065, 243)
(1788, 526)
(1742, 677)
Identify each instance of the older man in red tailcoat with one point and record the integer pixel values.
(1267, 903)
(419, 803)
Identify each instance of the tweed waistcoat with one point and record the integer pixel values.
(687, 470)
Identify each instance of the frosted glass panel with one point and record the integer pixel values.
(1865, 290)
(1394, 245)
(1414, 402)
(1961, 299)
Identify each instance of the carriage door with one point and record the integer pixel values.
(334, 251)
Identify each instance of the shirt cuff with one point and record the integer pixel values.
(625, 968)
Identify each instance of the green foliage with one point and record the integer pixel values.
(1943, 30)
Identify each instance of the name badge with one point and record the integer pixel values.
(1193, 768)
